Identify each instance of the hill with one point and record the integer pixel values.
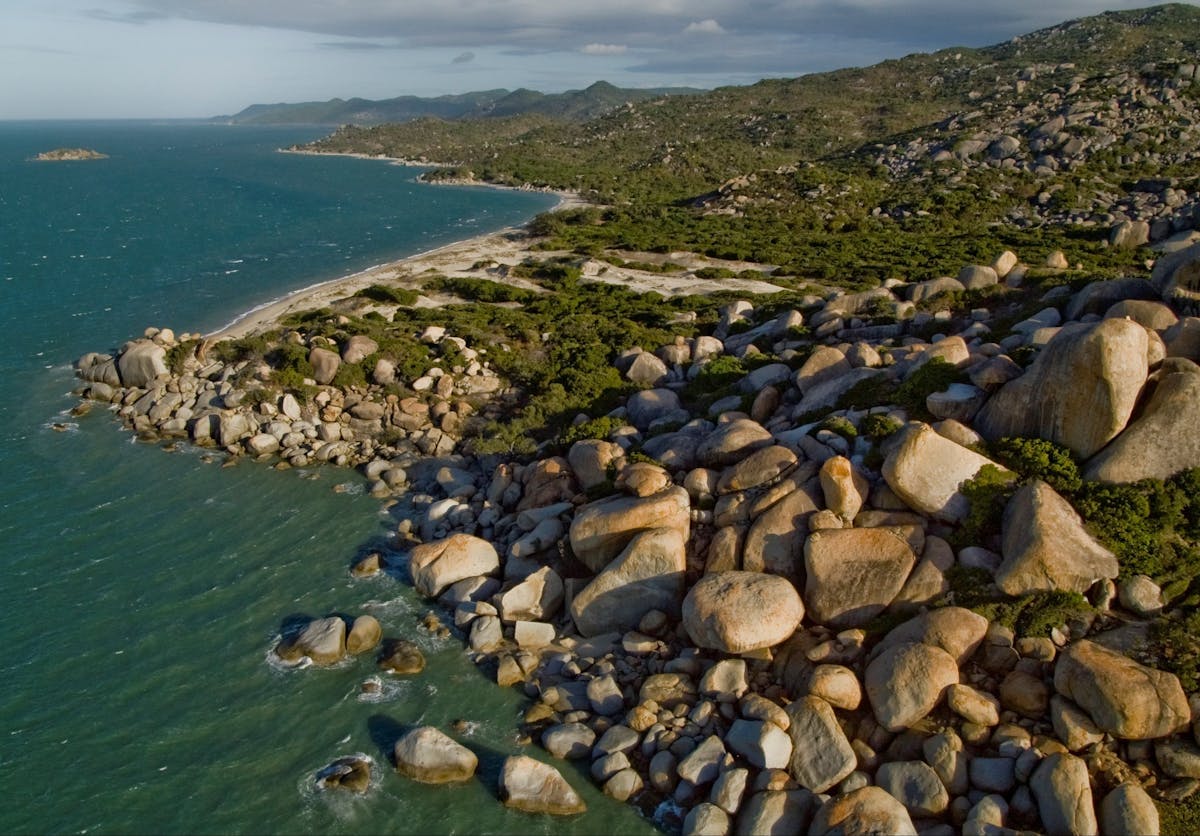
(914, 164)
(576, 105)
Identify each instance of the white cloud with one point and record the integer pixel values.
(704, 27)
(604, 49)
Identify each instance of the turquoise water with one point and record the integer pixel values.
(142, 589)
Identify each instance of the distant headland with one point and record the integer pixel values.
(69, 154)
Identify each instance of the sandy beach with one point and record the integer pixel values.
(505, 247)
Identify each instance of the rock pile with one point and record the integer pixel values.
(750, 626)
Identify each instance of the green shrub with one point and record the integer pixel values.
(599, 428)
(878, 425)
(389, 295)
(841, 425)
(481, 290)
(350, 375)
(988, 492)
(934, 376)
(178, 355)
(718, 373)
(1037, 458)
(1175, 646)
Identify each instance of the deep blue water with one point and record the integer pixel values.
(141, 589)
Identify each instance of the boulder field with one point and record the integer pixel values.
(744, 613)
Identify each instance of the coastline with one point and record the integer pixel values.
(509, 242)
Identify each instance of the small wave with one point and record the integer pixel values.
(231, 272)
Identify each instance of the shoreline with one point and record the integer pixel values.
(466, 251)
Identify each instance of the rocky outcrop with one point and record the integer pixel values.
(1156, 444)
(601, 530)
(646, 576)
(1046, 547)
(535, 787)
(1079, 392)
(427, 755)
(1124, 698)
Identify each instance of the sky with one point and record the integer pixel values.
(200, 58)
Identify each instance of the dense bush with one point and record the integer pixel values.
(1037, 458)
(389, 295)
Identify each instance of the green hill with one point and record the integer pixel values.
(573, 104)
(911, 164)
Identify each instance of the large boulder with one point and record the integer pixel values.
(1064, 795)
(358, 348)
(1079, 392)
(1129, 809)
(776, 813)
(429, 756)
(535, 787)
(759, 468)
(1177, 277)
(647, 370)
(906, 682)
(647, 406)
(926, 470)
(590, 460)
(322, 640)
(868, 810)
(956, 630)
(821, 755)
(437, 565)
(731, 442)
(601, 530)
(852, 574)
(325, 364)
(647, 576)
(735, 612)
(775, 541)
(140, 363)
(1156, 444)
(1124, 698)
(1046, 547)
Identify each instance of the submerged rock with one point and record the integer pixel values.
(352, 773)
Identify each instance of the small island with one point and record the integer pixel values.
(69, 154)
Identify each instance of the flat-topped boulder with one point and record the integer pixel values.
(821, 755)
(1124, 698)
(731, 442)
(735, 612)
(852, 574)
(1079, 392)
(601, 530)
(1046, 547)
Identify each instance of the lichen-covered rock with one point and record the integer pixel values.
(1124, 698)
(735, 612)
(1046, 547)
(1129, 809)
(1079, 392)
(325, 364)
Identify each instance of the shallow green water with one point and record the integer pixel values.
(143, 589)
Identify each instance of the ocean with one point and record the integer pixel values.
(142, 589)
